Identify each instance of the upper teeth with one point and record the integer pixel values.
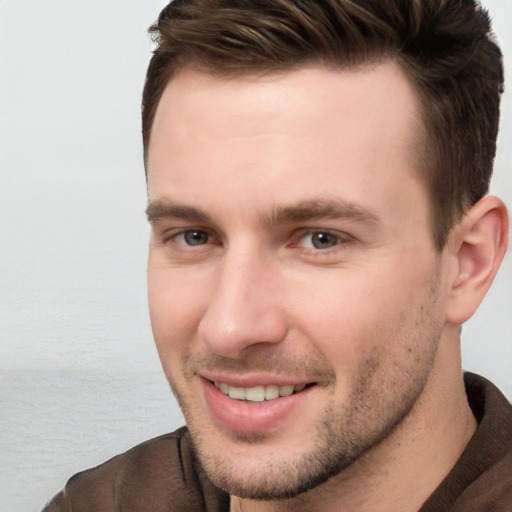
(258, 393)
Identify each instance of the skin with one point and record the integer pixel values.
(291, 243)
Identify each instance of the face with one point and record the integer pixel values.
(293, 283)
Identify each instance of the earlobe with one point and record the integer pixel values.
(478, 245)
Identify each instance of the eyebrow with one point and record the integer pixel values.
(300, 212)
(159, 210)
(321, 209)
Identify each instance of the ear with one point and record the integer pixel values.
(477, 246)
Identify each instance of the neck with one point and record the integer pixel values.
(401, 472)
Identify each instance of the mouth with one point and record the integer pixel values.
(260, 393)
(257, 406)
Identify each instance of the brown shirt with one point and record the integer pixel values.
(163, 474)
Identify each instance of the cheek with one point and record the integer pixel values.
(356, 317)
(176, 304)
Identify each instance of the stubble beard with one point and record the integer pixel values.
(343, 435)
(383, 395)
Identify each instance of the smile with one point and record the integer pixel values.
(257, 406)
(258, 393)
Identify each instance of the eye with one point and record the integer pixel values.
(193, 237)
(320, 240)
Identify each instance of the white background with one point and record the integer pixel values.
(79, 376)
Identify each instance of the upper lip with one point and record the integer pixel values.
(252, 380)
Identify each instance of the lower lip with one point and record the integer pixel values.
(246, 416)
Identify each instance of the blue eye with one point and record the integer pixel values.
(193, 237)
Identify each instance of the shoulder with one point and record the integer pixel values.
(492, 490)
(490, 451)
(159, 474)
(481, 481)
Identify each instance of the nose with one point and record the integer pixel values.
(244, 309)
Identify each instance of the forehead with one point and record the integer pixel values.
(291, 133)
(313, 92)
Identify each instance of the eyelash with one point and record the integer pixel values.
(192, 232)
(340, 239)
(173, 235)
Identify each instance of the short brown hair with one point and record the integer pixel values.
(445, 47)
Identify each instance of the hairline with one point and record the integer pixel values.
(421, 144)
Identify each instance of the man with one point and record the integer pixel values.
(317, 179)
